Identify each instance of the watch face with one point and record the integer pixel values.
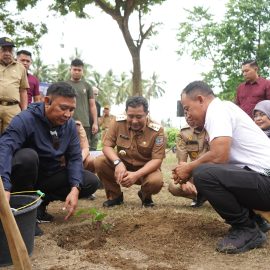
(116, 162)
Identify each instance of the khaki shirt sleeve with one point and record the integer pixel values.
(100, 120)
(158, 151)
(111, 135)
(24, 81)
(83, 140)
(181, 148)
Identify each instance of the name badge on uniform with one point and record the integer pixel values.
(159, 140)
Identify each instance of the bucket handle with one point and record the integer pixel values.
(38, 192)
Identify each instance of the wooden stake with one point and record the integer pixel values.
(16, 244)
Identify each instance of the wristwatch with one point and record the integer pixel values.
(116, 162)
(78, 187)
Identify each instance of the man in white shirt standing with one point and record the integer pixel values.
(234, 175)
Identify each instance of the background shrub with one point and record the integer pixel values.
(171, 134)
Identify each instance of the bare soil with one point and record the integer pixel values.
(172, 235)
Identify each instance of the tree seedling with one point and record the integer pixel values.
(97, 218)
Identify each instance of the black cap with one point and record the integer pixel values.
(5, 41)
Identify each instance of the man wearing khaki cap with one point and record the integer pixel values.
(13, 84)
(104, 121)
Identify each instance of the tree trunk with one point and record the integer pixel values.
(136, 74)
(133, 46)
(134, 50)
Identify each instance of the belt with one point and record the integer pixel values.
(8, 103)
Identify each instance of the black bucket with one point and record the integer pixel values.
(26, 221)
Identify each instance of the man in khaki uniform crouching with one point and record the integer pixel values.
(140, 150)
(192, 143)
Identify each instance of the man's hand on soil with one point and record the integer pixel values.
(71, 202)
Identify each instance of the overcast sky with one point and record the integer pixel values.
(101, 44)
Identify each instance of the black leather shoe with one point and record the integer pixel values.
(117, 201)
(42, 215)
(263, 225)
(147, 202)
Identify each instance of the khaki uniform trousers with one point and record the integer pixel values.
(176, 190)
(88, 164)
(150, 184)
(6, 115)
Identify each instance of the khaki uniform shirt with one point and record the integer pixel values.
(104, 121)
(191, 143)
(83, 139)
(12, 78)
(136, 148)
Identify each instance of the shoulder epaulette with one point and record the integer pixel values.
(120, 117)
(185, 127)
(154, 126)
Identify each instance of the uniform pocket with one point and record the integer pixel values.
(145, 151)
(123, 142)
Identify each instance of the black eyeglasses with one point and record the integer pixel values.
(55, 139)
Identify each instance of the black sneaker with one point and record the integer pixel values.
(91, 197)
(198, 202)
(146, 202)
(263, 225)
(241, 239)
(38, 231)
(112, 203)
(42, 215)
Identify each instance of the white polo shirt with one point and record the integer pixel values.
(250, 146)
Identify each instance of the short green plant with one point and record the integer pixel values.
(97, 219)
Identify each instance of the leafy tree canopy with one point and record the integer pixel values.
(120, 11)
(12, 24)
(243, 33)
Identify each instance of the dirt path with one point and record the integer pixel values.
(170, 236)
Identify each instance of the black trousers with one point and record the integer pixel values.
(232, 191)
(25, 175)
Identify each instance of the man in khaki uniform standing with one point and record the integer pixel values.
(137, 160)
(13, 84)
(104, 121)
(191, 144)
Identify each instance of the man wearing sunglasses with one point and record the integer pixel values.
(40, 149)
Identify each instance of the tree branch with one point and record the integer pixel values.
(129, 7)
(143, 35)
(105, 7)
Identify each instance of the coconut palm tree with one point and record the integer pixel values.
(153, 88)
(43, 72)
